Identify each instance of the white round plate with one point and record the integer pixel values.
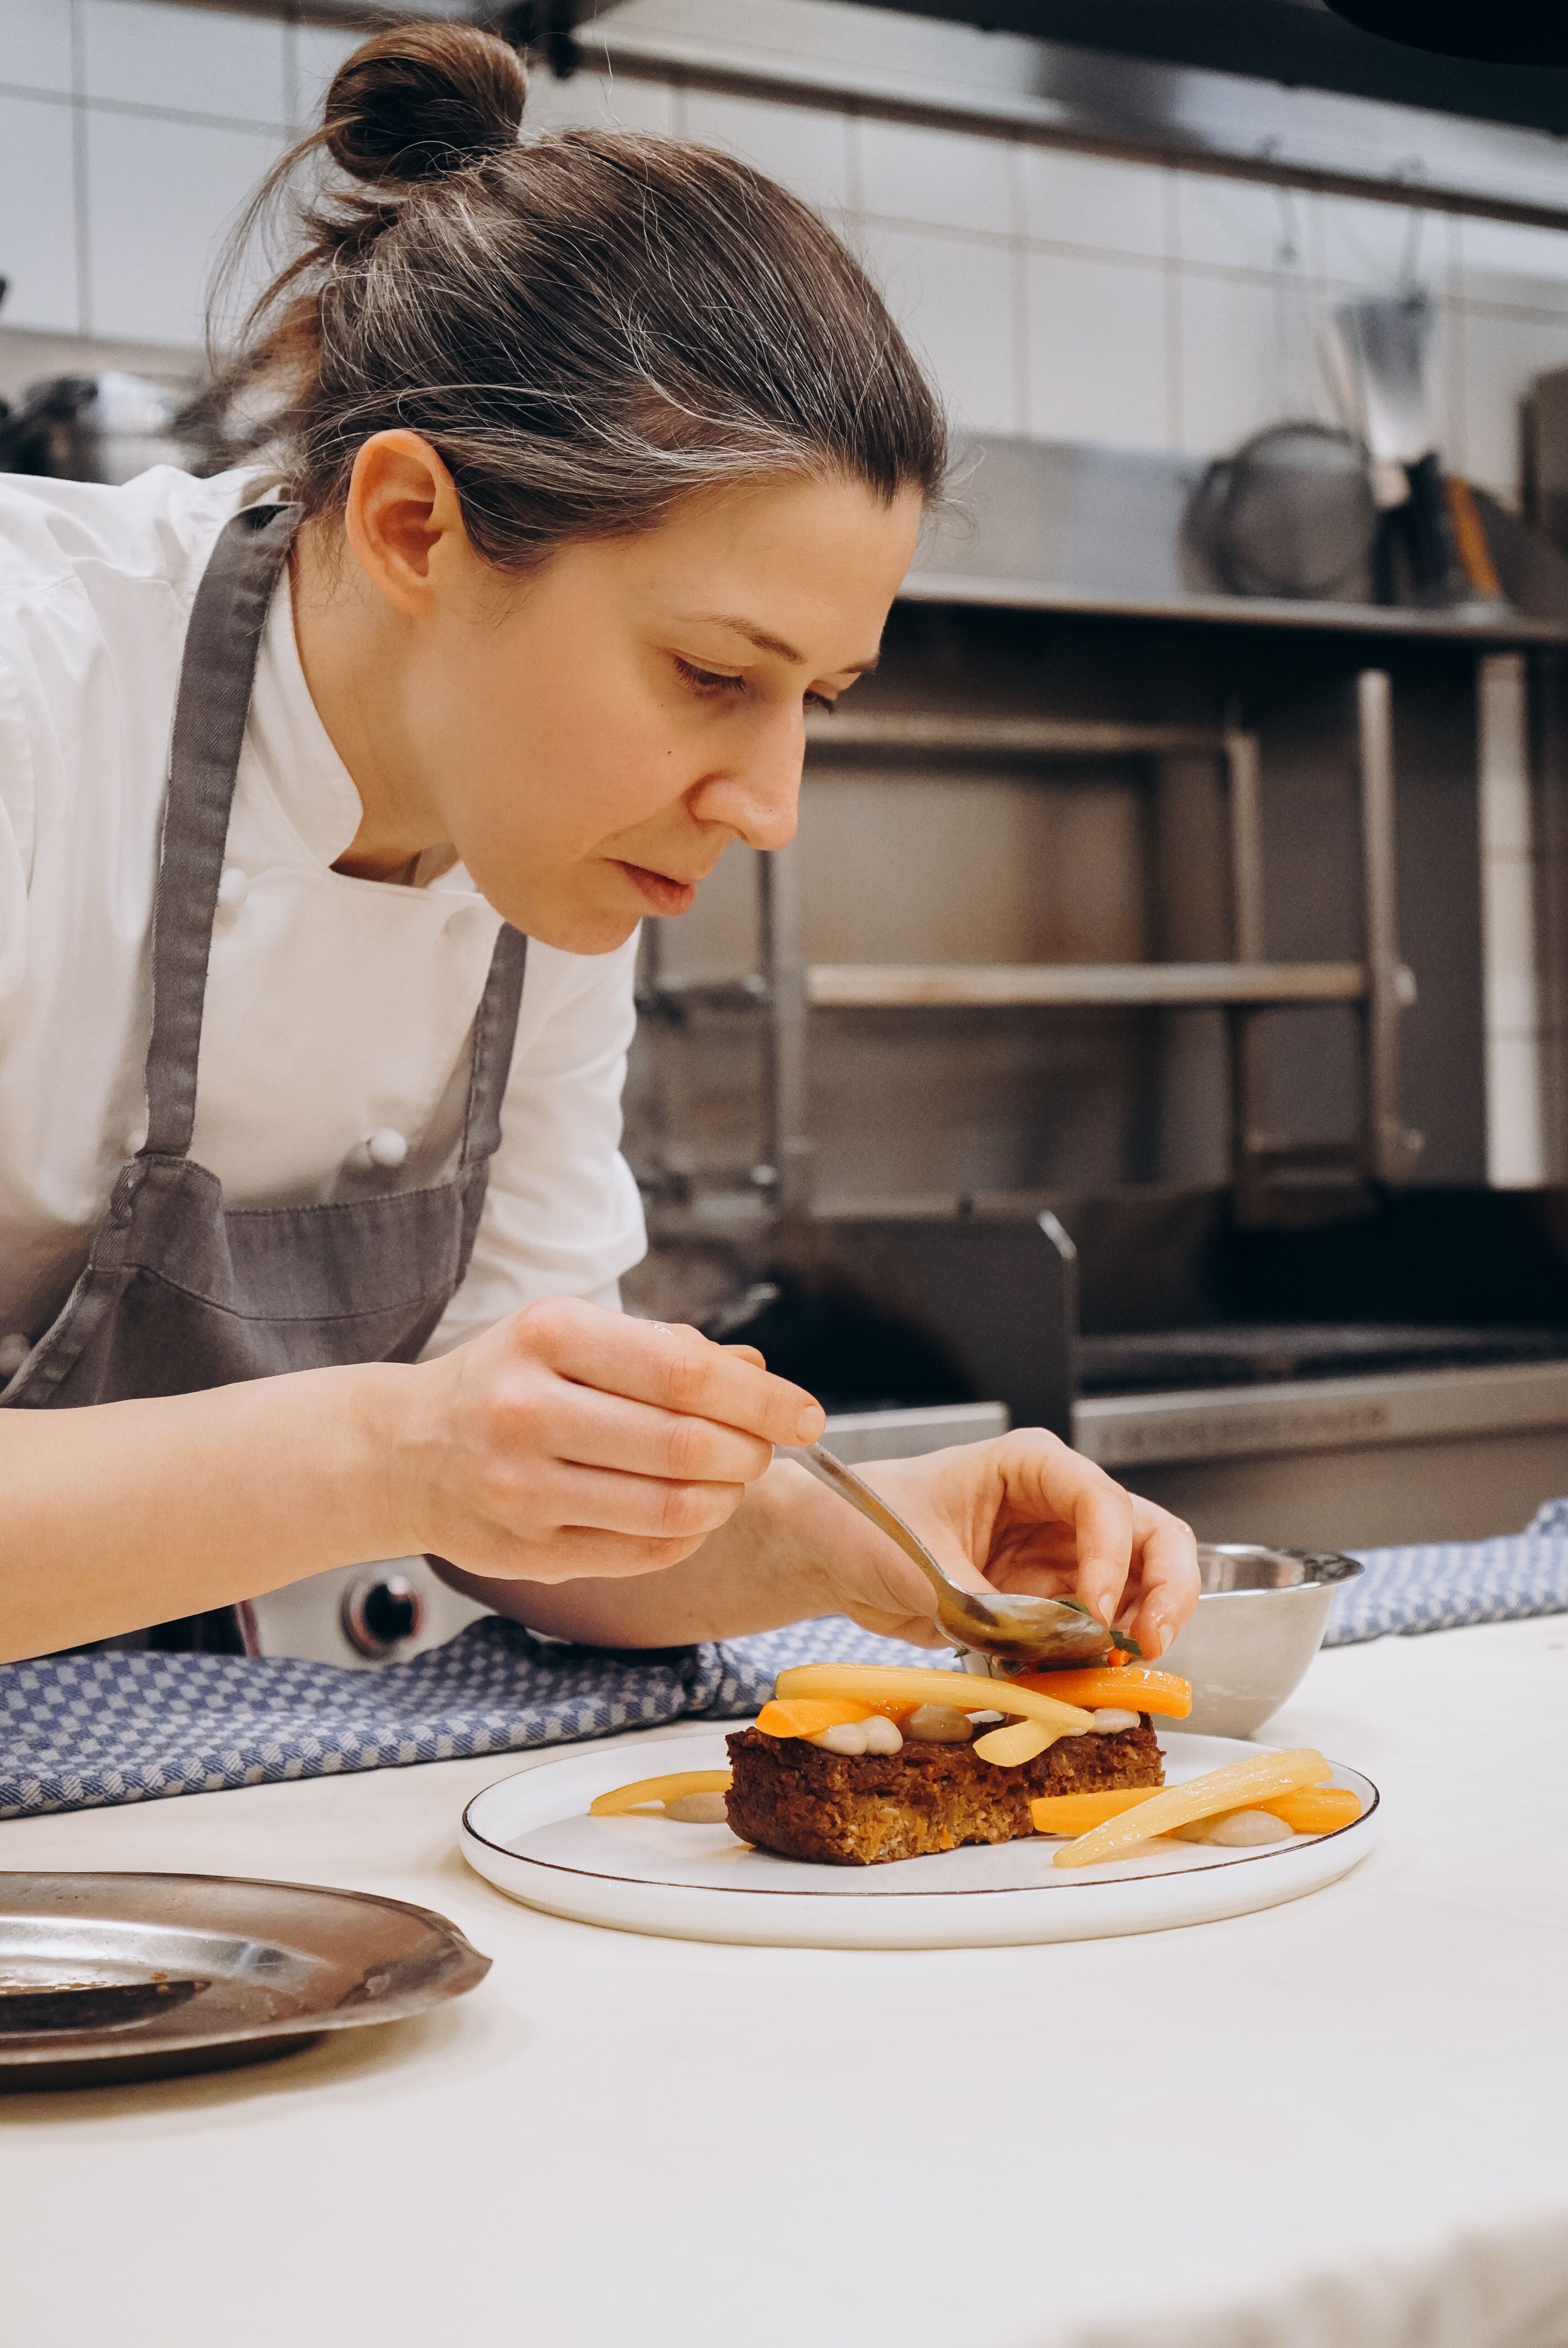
(531, 1836)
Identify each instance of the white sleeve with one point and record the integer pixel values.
(16, 825)
(562, 1216)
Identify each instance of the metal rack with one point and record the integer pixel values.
(788, 989)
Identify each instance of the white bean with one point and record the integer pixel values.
(882, 1734)
(698, 1810)
(938, 1724)
(1109, 1721)
(849, 1736)
(1241, 1829)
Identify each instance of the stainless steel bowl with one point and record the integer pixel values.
(1259, 1622)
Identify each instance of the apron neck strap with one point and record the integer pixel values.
(217, 673)
(494, 1032)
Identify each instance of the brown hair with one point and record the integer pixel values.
(587, 325)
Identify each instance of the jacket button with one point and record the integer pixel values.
(233, 888)
(13, 1350)
(386, 1146)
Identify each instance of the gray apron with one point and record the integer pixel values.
(182, 1292)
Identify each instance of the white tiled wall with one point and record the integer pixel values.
(131, 133)
(1054, 293)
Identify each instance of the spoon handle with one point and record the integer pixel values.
(849, 1486)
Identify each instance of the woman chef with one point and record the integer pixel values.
(331, 793)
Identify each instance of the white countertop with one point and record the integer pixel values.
(1336, 2123)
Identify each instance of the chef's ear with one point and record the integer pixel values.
(404, 520)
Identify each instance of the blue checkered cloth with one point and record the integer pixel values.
(81, 1731)
(1448, 1585)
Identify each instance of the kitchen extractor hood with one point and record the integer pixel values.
(1301, 43)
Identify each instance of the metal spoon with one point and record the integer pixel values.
(1006, 1625)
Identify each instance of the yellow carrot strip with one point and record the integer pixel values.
(1241, 1785)
(658, 1789)
(1133, 1688)
(1075, 1814)
(1020, 1741)
(871, 1684)
(807, 1717)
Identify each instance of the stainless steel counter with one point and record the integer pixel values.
(1411, 1456)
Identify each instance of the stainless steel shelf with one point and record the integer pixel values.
(1475, 624)
(956, 735)
(914, 986)
(785, 989)
(1131, 1431)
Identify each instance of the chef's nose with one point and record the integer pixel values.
(758, 798)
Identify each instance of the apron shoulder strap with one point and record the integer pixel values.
(494, 1032)
(217, 673)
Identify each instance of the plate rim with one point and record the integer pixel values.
(969, 1891)
(474, 1965)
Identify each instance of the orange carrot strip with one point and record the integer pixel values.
(1075, 1814)
(1132, 1688)
(1316, 1809)
(805, 1716)
(1311, 1809)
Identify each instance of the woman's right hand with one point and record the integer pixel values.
(572, 1440)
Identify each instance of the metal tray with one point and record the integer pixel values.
(115, 1977)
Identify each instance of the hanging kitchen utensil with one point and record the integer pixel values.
(1376, 351)
(1291, 514)
(1500, 32)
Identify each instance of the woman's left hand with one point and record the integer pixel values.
(1022, 1512)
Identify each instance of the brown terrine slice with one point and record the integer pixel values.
(855, 1809)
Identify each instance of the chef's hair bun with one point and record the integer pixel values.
(420, 101)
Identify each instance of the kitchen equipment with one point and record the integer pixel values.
(1500, 32)
(1182, 1360)
(93, 428)
(1291, 514)
(117, 1977)
(1259, 1622)
(532, 1838)
(1011, 1627)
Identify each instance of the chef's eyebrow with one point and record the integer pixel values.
(774, 644)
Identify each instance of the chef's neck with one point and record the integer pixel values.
(355, 670)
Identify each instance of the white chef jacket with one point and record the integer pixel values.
(337, 1009)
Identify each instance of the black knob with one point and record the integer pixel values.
(381, 1613)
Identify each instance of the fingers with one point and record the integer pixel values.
(1102, 1523)
(593, 1429)
(642, 1508)
(1044, 1479)
(572, 1552)
(550, 1522)
(1039, 1517)
(1168, 1575)
(674, 1369)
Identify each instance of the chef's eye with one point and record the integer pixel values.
(823, 704)
(708, 681)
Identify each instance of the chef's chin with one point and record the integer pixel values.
(590, 929)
